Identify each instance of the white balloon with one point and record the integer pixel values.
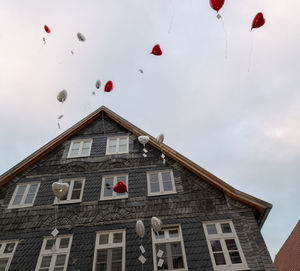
(80, 37)
(156, 224)
(143, 139)
(60, 189)
(62, 96)
(98, 84)
(160, 139)
(140, 228)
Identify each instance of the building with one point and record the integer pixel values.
(288, 257)
(207, 224)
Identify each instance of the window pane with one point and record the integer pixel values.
(3, 263)
(153, 178)
(21, 190)
(102, 256)
(60, 260)
(112, 142)
(231, 245)
(154, 187)
(86, 145)
(32, 188)
(46, 261)
(108, 187)
(74, 153)
(211, 229)
(166, 176)
(123, 141)
(159, 235)
(17, 200)
(64, 243)
(118, 237)
(103, 239)
(164, 256)
(77, 184)
(9, 248)
(29, 199)
(216, 245)
(117, 266)
(76, 194)
(101, 267)
(177, 255)
(219, 258)
(225, 227)
(235, 257)
(49, 244)
(117, 254)
(173, 233)
(75, 146)
(59, 269)
(85, 151)
(168, 186)
(112, 149)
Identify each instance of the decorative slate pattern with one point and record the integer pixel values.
(194, 202)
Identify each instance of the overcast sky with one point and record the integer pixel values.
(233, 109)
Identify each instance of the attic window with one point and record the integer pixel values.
(116, 145)
(24, 195)
(224, 247)
(160, 183)
(80, 148)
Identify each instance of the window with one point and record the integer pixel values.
(79, 148)
(7, 250)
(74, 193)
(160, 183)
(117, 145)
(224, 247)
(108, 183)
(54, 254)
(24, 195)
(110, 251)
(168, 249)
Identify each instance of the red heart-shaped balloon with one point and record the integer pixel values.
(258, 20)
(47, 29)
(120, 187)
(216, 4)
(108, 86)
(156, 50)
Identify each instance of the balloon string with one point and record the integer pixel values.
(226, 43)
(250, 53)
(172, 17)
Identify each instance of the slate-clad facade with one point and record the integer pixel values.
(195, 202)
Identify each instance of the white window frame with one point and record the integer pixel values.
(117, 144)
(58, 251)
(167, 240)
(70, 191)
(114, 194)
(24, 196)
(110, 245)
(3, 244)
(222, 237)
(81, 141)
(160, 182)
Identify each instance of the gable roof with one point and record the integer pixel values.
(261, 206)
(287, 257)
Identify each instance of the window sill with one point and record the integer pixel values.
(232, 267)
(19, 206)
(66, 202)
(162, 194)
(113, 198)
